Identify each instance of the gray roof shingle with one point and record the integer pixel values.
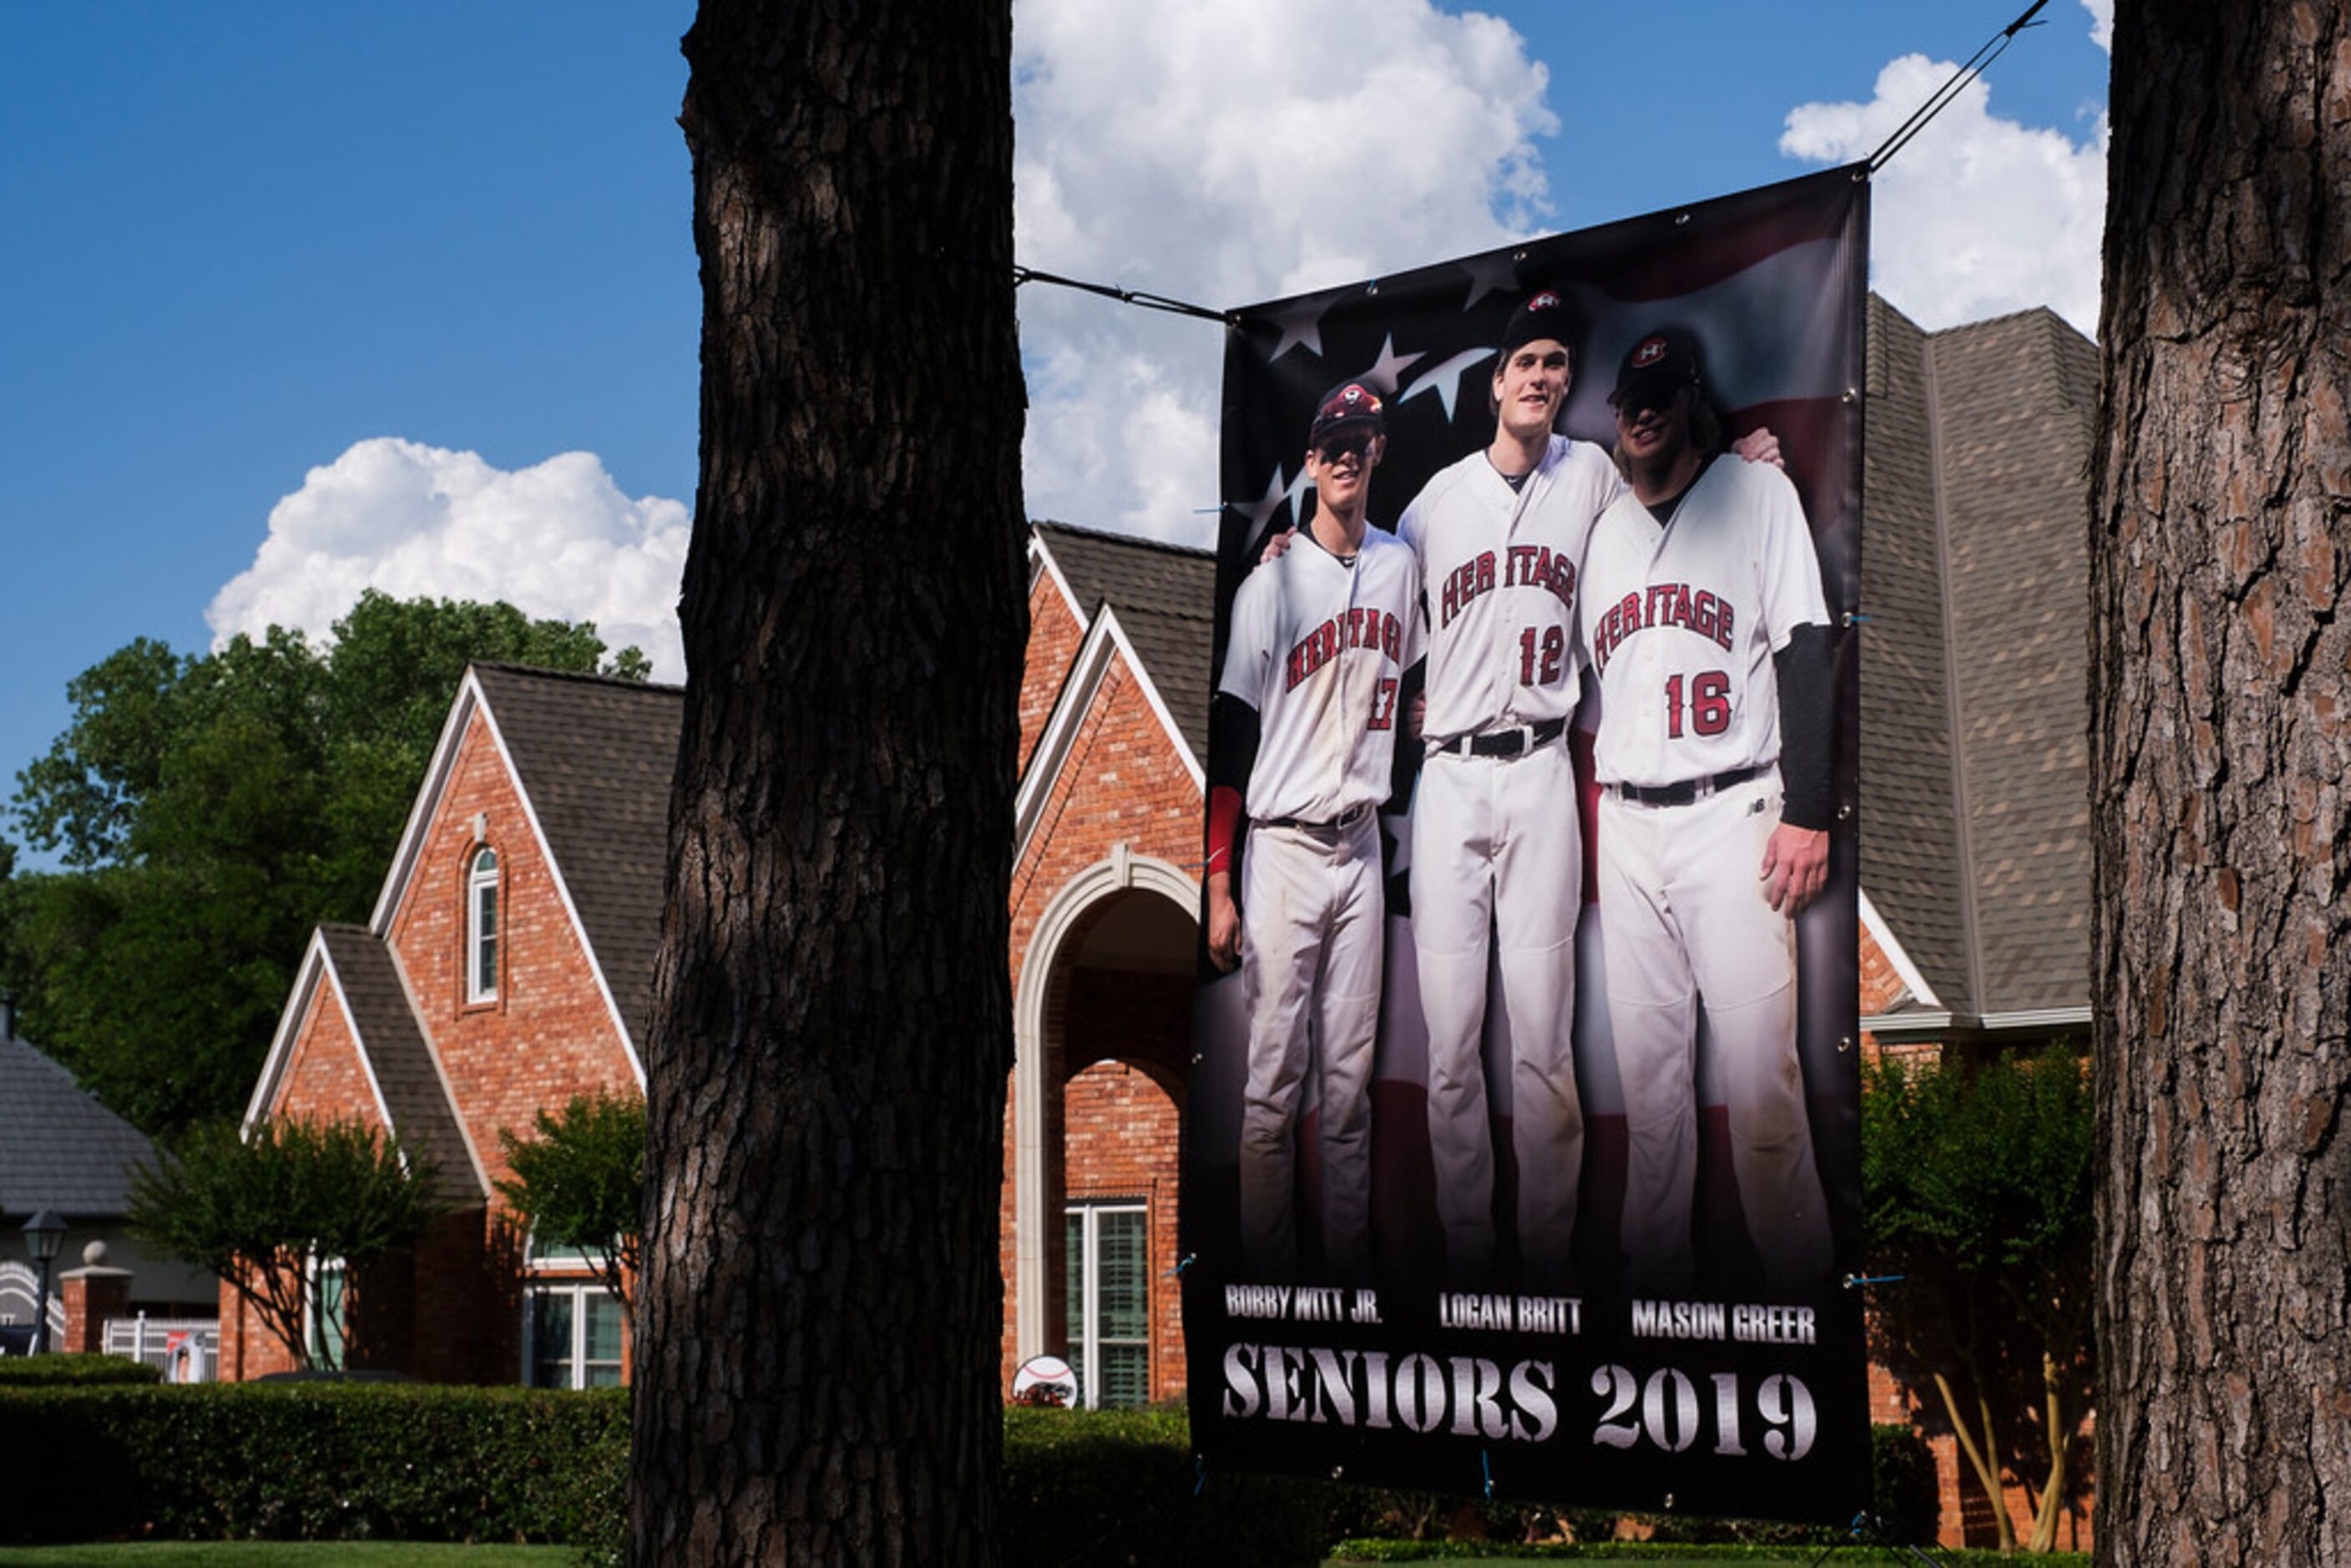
(595, 758)
(59, 1148)
(393, 1043)
(1975, 560)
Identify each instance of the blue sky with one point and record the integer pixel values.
(306, 296)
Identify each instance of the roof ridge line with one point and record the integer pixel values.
(1139, 540)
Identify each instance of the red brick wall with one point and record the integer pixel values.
(1121, 1141)
(1054, 635)
(548, 1035)
(248, 1349)
(324, 1079)
(1880, 985)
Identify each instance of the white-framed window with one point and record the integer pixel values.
(482, 927)
(325, 1324)
(571, 1337)
(1110, 1302)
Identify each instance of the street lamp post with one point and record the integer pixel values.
(44, 1234)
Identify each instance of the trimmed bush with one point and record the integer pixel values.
(316, 1461)
(1120, 1487)
(1379, 1521)
(80, 1370)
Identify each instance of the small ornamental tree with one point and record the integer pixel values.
(580, 1181)
(258, 1207)
(1976, 1186)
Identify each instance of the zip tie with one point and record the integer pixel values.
(1187, 1261)
(1199, 1473)
(1853, 1279)
(1488, 1469)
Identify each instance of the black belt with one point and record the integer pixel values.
(1689, 789)
(1344, 820)
(1515, 741)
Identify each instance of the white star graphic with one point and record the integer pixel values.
(1277, 492)
(1496, 269)
(1383, 373)
(1446, 380)
(1301, 322)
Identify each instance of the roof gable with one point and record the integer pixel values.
(351, 969)
(1166, 597)
(592, 760)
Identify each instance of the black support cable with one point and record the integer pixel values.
(1936, 103)
(1021, 275)
(1941, 97)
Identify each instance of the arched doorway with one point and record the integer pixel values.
(1102, 1025)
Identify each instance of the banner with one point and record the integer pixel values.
(1521, 1150)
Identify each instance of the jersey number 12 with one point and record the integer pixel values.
(1541, 670)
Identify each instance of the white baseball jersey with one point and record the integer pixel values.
(1498, 570)
(1681, 621)
(1317, 645)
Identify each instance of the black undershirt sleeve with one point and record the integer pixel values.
(1406, 766)
(1805, 671)
(1232, 741)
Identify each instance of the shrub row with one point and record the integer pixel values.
(417, 1462)
(1385, 1525)
(311, 1461)
(77, 1369)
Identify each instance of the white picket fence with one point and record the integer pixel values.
(187, 1349)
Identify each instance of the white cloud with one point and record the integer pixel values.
(558, 538)
(1195, 151)
(1978, 215)
(2101, 23)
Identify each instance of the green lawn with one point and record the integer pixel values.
(284, 1554)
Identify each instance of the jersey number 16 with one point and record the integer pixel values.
(1710, 704)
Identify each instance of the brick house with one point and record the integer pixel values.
(545, 806)
(505, 966)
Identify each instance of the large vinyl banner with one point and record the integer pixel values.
(1521, 1154)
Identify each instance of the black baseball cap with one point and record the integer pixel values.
(1348, 404)
(1658, 364)
(1545, 313)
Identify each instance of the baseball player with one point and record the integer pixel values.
(1497, 853)
(1703, 616)
(1303, 740)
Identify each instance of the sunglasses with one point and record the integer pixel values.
(1349, 444)
(1639, 398)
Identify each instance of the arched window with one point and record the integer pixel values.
(482, 927)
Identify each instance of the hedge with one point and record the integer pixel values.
(1120, 1487)
(335, 1461)
(329, 1461)
(318, 1461)
(1393, 1526)
(78, 1369)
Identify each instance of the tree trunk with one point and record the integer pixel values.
(2220, 741)
(816, 1379)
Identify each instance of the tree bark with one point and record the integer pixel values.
(816, 1378)
(2219, 746)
